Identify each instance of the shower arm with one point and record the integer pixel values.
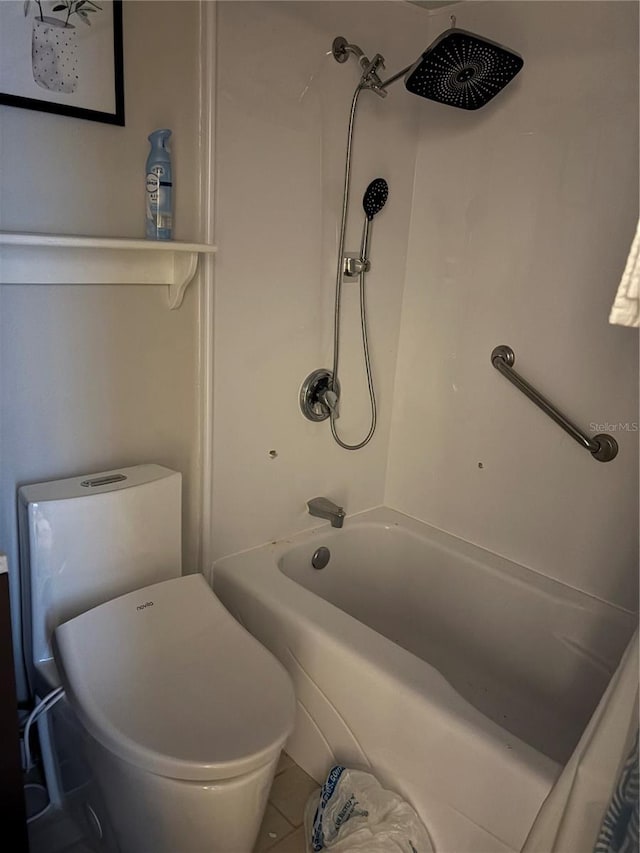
(371, 81)
(342, 49)
(395, 77)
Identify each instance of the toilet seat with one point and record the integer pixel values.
(168, 680)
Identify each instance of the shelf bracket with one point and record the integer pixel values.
(185, 266)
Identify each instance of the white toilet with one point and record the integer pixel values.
(180, 712)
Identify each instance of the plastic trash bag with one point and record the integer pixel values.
(353, 813)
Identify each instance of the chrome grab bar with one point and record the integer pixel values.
(602, 447)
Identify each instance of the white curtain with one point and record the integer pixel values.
(570, 818)
(625, 310)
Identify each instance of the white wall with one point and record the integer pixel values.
(281, 128)
(98, 377)
(522, 218)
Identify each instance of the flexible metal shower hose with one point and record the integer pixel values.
(338, 300)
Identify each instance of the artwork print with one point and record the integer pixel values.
(63, 56)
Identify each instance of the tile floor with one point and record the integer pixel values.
(281, 830)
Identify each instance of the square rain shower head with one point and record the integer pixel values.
(462, 70)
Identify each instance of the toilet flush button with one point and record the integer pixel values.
(103, 481)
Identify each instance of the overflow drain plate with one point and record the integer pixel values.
(321, 558)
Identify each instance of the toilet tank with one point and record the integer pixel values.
(86, 540)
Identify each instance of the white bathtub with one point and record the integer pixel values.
(460, 679)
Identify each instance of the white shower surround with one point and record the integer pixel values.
(449, 282)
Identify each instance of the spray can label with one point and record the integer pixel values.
(158, 187)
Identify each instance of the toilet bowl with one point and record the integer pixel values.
(184, 715)
(180, 713)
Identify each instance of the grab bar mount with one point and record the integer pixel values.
(602, 447)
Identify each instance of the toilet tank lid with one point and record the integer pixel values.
(93, 484)
(166, 679)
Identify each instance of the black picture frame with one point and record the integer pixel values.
(117, 117)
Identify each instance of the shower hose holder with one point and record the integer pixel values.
(353, 265)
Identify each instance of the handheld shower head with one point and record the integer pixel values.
(375, 197)
(462, 70)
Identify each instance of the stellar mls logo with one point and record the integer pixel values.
(145, 605)
(619, 427)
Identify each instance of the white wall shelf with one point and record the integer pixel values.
(68, 259)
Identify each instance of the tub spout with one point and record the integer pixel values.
(324, 508)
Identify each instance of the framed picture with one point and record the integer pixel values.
(64, 57)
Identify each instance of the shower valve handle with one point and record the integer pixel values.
(331, 400)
